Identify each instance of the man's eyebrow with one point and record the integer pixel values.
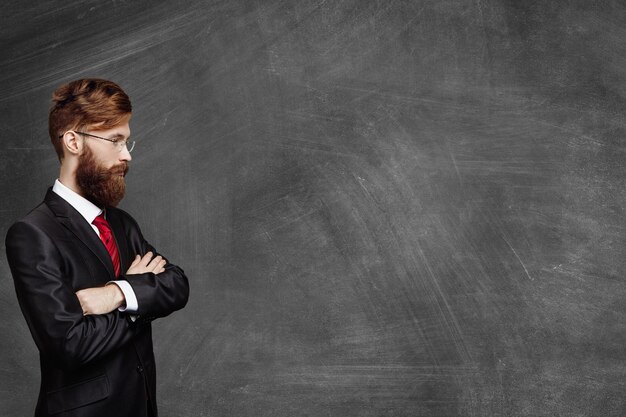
(117, 136)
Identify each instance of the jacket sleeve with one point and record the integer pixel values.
(158, 295)
(50, 306)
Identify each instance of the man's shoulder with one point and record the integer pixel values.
(40, 220)
(46, 211)
(39, 215)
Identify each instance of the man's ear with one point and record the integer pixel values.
(71, 143)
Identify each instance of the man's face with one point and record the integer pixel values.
(103, 165)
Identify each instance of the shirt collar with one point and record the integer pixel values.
(85, 207)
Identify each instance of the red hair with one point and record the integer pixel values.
(85, 102)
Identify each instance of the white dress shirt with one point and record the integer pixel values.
(90, 211)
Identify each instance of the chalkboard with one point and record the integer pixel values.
(385, 208)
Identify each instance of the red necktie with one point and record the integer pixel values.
(109, 242)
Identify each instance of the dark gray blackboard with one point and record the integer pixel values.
(385, 208)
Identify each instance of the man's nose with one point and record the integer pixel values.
(125, 155)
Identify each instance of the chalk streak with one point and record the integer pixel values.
(456, 168)
(517, 256)
(368, 92)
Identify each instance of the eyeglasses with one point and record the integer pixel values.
(119, 143)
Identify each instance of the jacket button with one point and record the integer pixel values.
(139, 368)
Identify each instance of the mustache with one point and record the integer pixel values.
(120, 169)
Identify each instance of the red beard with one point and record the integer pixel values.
(102, 186)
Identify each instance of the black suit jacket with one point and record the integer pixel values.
(96, 365)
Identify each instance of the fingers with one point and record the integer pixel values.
(159, 267)
(135, 261)
(145, 260)
(156, 265)
(147, 263)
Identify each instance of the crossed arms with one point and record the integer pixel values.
(103, 300)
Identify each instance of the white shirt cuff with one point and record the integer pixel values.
(131, 300)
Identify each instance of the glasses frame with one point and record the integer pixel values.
(118, 142)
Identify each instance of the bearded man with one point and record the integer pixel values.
(87, 281)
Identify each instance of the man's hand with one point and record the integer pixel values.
(147, 264)
(100, 300)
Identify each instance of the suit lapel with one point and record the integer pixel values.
(75, 223)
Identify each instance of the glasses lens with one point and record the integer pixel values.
(130, 145)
